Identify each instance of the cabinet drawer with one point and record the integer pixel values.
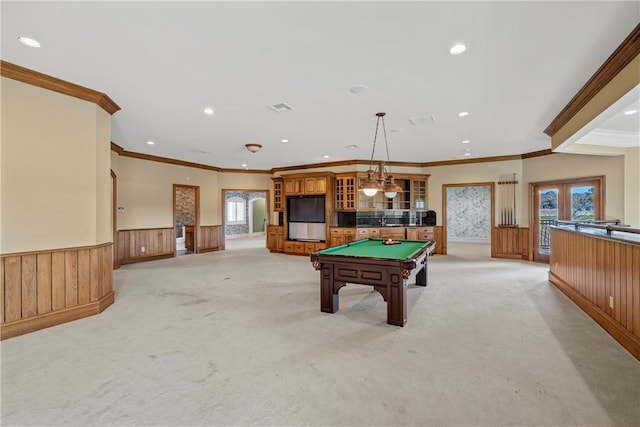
(298, 247)
(288, 246)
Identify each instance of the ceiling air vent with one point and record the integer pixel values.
(424, 120)
(281, 107)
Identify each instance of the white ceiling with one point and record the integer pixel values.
(164, 62)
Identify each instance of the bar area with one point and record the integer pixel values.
(598, 267)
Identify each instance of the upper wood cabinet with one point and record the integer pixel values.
(278, 195)
(346, 193)
(293, 186)
(300, 185)
(315, 185)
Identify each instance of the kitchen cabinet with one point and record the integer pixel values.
(346, 193)
(275, 238)
(278, 195)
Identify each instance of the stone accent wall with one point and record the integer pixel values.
(185, 208)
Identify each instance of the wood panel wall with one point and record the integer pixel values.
(157, 243)
(510, 242)
(211, 238)
(602, 277)
(441, 244)
(46, 288)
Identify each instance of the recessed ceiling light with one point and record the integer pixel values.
(244, 165)
(284, 140)
(326, 157)
(151, 143)
(467, 154)
(466, 141)
(630, 112)
(208, 111)
(463, 114)
(457, 49)
(29, 42)
(358, 89)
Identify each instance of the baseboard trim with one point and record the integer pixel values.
(204, 250)
(42, 321)
(145, 258)
(620, 334)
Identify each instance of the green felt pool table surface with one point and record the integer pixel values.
(374, 248)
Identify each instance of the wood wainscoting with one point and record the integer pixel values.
(510, 242)
(441, 244)
(46, 288)
(602, 277)
(211, 238)
(145, 244)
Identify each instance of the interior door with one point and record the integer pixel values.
(576, 200)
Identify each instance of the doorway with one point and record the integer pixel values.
(186, 213)
(579, 199)
(468, 215)
(245, 212)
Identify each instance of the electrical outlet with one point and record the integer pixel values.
(143, 249)
(610, 301)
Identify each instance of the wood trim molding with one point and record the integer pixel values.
(48, 251)
(620, 58)
(35, 78)
(121, 151)
(540, 153)
(42, 321)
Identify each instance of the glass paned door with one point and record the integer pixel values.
(583, 203)
(572, 200)
(549, 207)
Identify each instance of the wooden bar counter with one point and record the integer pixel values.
(600, 272)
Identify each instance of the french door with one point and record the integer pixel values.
(571, 200)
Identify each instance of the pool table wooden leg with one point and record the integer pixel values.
(328, 290)
(421, 277)
(397, 302)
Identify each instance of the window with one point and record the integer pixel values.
(236, 208)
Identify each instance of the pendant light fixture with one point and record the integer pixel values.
(380, 178)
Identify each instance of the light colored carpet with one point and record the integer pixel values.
(237, 338)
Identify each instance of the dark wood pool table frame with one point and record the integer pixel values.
(389, 277)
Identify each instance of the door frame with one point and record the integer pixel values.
(445, 187)
(223, 205)
(534, 220)
(196, 226)
(114, 218)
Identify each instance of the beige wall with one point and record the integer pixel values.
(55, 170)
(632, 187)
(566, 166)
(469, 174)
(145, 191)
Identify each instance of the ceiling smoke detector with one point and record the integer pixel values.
(281, 107)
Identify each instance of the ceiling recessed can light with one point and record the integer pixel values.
(150, 143)
(244, 165)
(630, 112)
(27, 41)
(463, 114)
(457, 49)
(208, 111)
(284, 140)
(467, 154)
(466, 141)
(326, 157)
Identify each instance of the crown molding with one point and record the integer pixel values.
(25, 75)
(620, 58)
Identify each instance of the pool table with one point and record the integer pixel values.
(388, 268)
